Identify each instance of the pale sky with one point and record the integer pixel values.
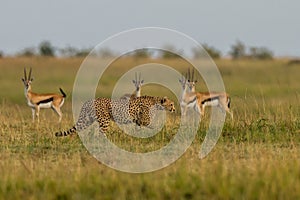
(270, 23)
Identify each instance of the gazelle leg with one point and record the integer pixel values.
(224, 108)
(33, 114)
(230, 112)
(200, 110)
(37, 113)
(58, 111)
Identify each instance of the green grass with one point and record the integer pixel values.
(257, 156)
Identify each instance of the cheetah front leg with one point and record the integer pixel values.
(103, 121)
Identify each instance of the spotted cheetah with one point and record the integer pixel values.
(138, 110)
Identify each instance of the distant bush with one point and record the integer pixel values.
(210, 50)
(294, 62)
(46, 49)
(261, 53)
(74, 52)
(238, 50)
(170, 52)
(83, 52)
(106, 53)
(141, 53)
(27, 52)
(1, 54)
(68, 51)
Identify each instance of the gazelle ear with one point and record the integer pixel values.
(133, 81)
(31, 79)
(196, 81)
(23, 79)
(142, 81)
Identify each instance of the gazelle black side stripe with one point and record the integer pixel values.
(209, 99)
(45, 101)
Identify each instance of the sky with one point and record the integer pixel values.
(83, 24)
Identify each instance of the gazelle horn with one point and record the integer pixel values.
(193, 74)
(140, 77)
(25, 76)
(29, 76)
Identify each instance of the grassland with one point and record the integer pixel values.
(257, 156)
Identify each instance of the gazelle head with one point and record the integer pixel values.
(191, 82)
(27, 80)
(138, 83)
(183, 82)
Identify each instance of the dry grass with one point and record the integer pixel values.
(257, 156)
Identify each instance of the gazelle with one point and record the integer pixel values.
(220, 99)
(188, 99)
(138, 87)
(36, 101)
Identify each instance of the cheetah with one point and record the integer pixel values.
(138, 110)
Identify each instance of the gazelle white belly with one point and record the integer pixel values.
(41, 105)
(214, 102)
(45, 105)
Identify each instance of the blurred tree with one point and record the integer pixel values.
(68, 51)
(142, 53)
(261, 53)
(106, 53)
(198, 52)
(28, 52)
(238, 50)
(1, 54)
(212, 52)
(294, 62)
(46, 49)
(169, 51)
(83, 52)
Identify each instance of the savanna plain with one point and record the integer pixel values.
(256, 157)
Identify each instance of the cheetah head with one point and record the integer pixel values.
(168, 104)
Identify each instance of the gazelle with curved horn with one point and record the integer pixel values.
(37, 101)
(188, 99)
(138, 87)
(220, 99)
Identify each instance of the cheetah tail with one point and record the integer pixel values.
(66, 133)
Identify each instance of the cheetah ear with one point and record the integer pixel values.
(164, 100)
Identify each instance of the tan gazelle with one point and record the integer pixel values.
(138, 87)
(220, 99)
(37, 101)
